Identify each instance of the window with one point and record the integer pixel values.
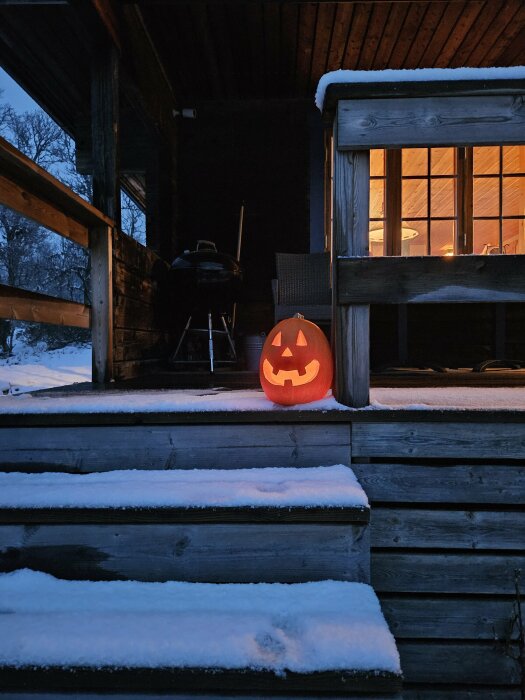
(442, 201)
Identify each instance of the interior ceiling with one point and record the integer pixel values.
(281, 49)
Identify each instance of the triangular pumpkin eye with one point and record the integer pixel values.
(277, 340)
(301, 340)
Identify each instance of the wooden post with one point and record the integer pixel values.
(101, 248)
(351, 323)
(106, 197)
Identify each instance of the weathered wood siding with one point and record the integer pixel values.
(447, 534)
(140, 308)
(228, 446)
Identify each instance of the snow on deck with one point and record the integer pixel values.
(334, 486)
(303, 628)
(414, 75)
(187, 400)
(211, 400)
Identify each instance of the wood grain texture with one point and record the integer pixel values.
(350, 237)
(45, 214)
(100, 245)
(37, 182)
(451, 440)
(430, 280)
(446, 662)
(242, 553)
(22, 305)
(461, 573)
(91, 448)
(433, 121)
(447, 529)
(480, 483)
(450, 618)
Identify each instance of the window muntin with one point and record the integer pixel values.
(429, 195)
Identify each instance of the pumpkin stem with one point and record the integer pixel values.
(298, 316)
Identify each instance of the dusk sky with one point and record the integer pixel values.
(13, 93)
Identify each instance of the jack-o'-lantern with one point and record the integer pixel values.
(296, 362)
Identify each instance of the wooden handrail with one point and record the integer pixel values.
(22, 305)
(33, 192)
(431, 280)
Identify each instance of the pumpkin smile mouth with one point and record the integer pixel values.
(279, 378)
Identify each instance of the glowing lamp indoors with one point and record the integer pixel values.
(377, 235)
(296, 362)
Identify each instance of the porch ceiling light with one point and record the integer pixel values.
(377, 235)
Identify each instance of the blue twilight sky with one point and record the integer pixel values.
(13, 93)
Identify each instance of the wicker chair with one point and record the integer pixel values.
(303, 286)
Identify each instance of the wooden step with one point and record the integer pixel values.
(273, 525)
(80, 635)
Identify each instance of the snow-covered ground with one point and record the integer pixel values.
(35, 368)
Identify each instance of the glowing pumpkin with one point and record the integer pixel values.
(296, 362)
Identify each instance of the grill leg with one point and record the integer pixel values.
(230, 340)
(174, 356)
(210, 340)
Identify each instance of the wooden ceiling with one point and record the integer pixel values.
(240, 50)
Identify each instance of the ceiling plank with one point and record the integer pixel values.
(341, 31)
(497, 32)
(323, 33)
(358, 30)
(374, 35)
(390, 36)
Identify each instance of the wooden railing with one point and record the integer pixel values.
(31, 191)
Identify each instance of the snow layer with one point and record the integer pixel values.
(278, 487)
(209, 400)
(414, 75)
(446, 398)
(33, 368)
(306, 627)
(188, 400)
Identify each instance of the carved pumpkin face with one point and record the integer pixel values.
(296, 363)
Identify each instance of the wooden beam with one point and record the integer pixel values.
(105, 131)
(350, 237)
(22, 305)
(431, 280)
(39, 185)
(395, 122)
(45, 214)
(101, 248)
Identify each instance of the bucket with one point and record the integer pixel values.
(253, 345)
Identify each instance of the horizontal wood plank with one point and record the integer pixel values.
(446, 663)
(22, 305)
(90, 448)
(451, 693)
(45, 214)
(165, 679)
(256, 514)
(460, 573)
(433, 121)
(447, 529)
(428, 280)
(448, 439)
(37, 182)
(414, 483)
(449, 618)
(242, 553)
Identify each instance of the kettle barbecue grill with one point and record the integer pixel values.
(208, 281)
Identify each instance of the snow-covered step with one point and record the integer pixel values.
(125, 635)
(246, 525)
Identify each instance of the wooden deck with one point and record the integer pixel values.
(446, 487)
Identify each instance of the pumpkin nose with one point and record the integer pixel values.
(287, 353)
